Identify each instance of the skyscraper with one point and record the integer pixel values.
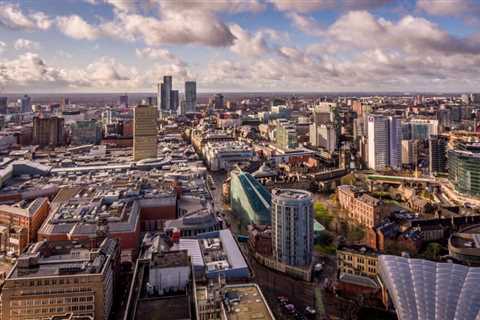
(190, 96)
(25, 104)
(166, 88)
(144, 132)
(378, 142)
(437, 154)
(3, 105)
(395, 142)
(174, 101)
(292, 226)
(124, 100)
(218, 101)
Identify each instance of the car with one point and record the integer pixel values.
(310, 311)
(298, 316)
(290, 308)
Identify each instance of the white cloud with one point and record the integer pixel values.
(304, 6)
(449, 7)
(12, 17)
(76, 27)
(158, 54)
(246, 44)
(25, 44)
(305, 24)
(3, 45)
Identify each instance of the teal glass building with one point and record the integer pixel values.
(249, 199)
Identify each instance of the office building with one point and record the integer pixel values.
(3, 105)
(384, 142)
(437, 154)
(85, 132)
(409, 149)
(123, 101)
(378, 142)
(25, 104)
(292, 226)
(420, 129)
(174, 101)
(323, 112)
(422, 289)
(249, 199)
(218, 101)
(225, 155)
(166, 88)
(323, 135)
(144, 133)
(190, 96)
(286, 134)
(55, 278)
(362, 208)
(464, 169)
(357, 260)
(395, 142)
(48, 131)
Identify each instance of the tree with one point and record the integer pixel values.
(432, 252)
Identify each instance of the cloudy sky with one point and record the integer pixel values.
(240, 45)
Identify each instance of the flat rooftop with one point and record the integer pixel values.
(164, 308)
(291, 194)
(252, 305)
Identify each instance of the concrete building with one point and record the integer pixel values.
(362, 208)
(60, 277)
(218, 102)
(323, 135)
(144, 133)
(25, 104)
(174, 101)
(48, 131)
(292, 226)
(190, 96)
(409, 152)
(286, 135)
(3, 105)
(357, 260)
(224, 155)
(395, 142)
(85, 132)
(123, 100)
(378, 142)
(437, 154)
(166, 89)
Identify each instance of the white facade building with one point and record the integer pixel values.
(378, 142)
(292, 226)
(323, 135)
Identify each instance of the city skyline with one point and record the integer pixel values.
(240, 46)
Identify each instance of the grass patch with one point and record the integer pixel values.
(327, 249)
(322, 215)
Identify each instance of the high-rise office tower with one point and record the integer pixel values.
(323, 135)
(218, 101)
(144, 132)
(174, 101)
(124, 100)
(48, 131)
(378, 142)
(190, 96)
(25, 104)
(292, 226)
(3, 105)
(395, 142)
(437, 154)
(166, 88)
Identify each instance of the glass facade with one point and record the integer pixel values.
(464, 171)
(249, 199)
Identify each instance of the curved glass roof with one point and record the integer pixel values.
(422, 289)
